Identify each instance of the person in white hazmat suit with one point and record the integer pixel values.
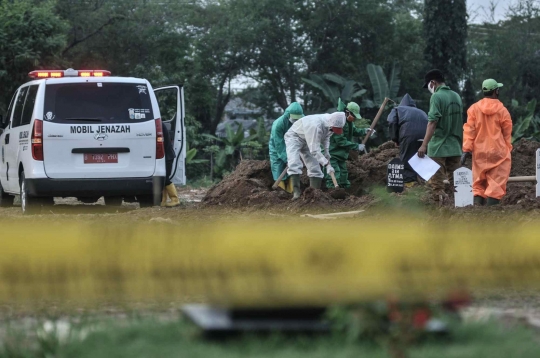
(304, 141)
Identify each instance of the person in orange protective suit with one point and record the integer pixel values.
(487, 138)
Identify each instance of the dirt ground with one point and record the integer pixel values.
(250, 185)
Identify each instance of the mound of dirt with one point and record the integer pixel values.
(250, 186)
(524, 158)
(371, 169)
(523, 195)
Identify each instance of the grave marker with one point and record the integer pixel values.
(394, 182)
(463, 187)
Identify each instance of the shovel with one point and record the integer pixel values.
(337, 192)
(276, 184)
(374, 123)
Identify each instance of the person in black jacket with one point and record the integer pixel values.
(407, 129)
(169, 189)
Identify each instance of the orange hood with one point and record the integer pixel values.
(490, 106)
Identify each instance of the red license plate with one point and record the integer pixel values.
(100, 158)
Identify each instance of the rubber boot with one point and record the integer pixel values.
(295, 179)
(164, 197)
(315, 183)
(492, 201)
(479, 201)
(171, 190)
(289, 186)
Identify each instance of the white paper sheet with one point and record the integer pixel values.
(425, 167)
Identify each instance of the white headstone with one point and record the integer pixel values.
(463, 183)
(538, 173)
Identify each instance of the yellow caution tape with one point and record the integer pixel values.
(261, 263)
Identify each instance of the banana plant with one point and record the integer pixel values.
(190, 157)
(382, 87)
(233, 143)
(527, 127)
(334, 87)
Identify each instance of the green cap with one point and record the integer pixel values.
(490, 85)
(354, 108)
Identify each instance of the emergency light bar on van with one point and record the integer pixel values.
(68, 73)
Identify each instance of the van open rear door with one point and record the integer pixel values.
(171, 107)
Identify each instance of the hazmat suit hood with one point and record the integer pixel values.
(490, 106)
(407, 101)
(294, 112)
(336, 119)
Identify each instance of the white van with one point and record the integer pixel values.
(85, 134)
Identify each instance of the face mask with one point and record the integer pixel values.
(431, 89)
(292, 120)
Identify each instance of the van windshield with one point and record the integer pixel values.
(97, 102)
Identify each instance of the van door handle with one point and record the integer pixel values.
(6, 140)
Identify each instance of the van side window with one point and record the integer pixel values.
(29, 105)
(7, 118)
(19, 105)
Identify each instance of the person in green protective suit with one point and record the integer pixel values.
(341, 144)
(276, 145)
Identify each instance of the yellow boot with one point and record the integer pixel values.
(289, 186)
(164, 197)
(286, 185)
(171, 190)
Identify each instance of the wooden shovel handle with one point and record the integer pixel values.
(334, 179)
(283, 173)
(374, 123)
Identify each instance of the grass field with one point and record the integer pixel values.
(141, 338)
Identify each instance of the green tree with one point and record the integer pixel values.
(333, 87)
(232, 145)
(221, 47)
(31, 37)
(277, 46)
(445, 29)
(508, 51)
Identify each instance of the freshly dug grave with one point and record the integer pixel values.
(250, 186)
(523, 195)
(371, 169)
(524, 158)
